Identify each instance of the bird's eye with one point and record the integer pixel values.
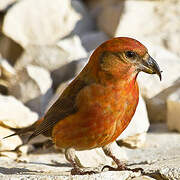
(130, 54)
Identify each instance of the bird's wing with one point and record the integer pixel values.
(63, 107)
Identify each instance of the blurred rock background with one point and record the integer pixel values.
(44, 44)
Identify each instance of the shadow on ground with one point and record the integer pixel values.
(4, 170)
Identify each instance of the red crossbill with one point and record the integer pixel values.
(100, 102)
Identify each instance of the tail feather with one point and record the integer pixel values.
(25, 130)
(10, 135)
(21, 131)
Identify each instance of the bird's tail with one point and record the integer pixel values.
(25, 130)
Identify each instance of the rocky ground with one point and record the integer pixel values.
(160, 159)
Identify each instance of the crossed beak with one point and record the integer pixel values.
(149, 65)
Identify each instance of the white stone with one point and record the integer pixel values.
(143, 178)
(11, 155)
(9, 143)
(5, 3)
(50, 57)
(168, 63)
(73, 47)
(154, 91)
(40, 22)
(40, 76)
(173, 111)
(7, 71)
(24, 149)
(135, 134)
(33, 87)
(136, 141)
(143, 20)
(14, 114)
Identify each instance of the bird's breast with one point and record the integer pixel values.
(108, 109)
(103, 113)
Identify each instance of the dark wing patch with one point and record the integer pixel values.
(63, 107)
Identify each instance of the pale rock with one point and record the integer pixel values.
(73, 47)
(143, 178)
(168, 31)
(40, 22)
(96, 157)
(32, 86)
(23, 159)
(154, 91)
(53, 57)
(49, 57)
(5, 3)
(40, 76)
(24, 149)
(143, 12)
(14, 114)
(6, 70)
(11, 155)
(173, 111)
(134, 136)
(9, 143)
(136, 141)
(93, 39)
(143, 20)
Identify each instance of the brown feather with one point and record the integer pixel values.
(63, 107)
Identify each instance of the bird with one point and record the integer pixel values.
(97, 106)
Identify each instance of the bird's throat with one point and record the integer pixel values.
(126, 77)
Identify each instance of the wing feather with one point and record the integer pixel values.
(63, 107)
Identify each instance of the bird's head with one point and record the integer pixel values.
(122, 56)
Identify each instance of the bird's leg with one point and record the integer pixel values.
(121, 166)
(77, 167)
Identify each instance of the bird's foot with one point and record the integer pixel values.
(78, 171)
(122, 168)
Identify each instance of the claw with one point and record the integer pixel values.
(77, 171)
(122, 168)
